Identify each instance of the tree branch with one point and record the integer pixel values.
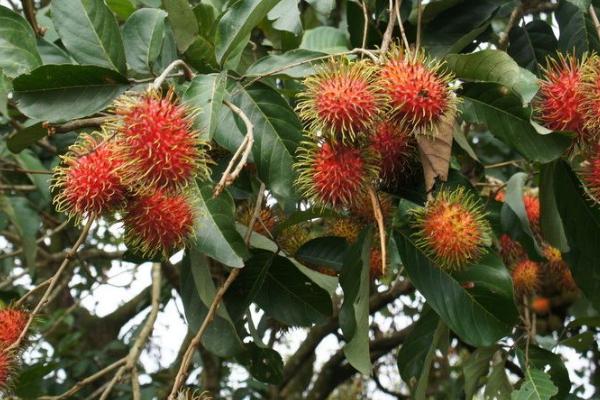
(70, 126)
(29, 11)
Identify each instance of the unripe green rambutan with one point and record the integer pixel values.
(346, 228)
(158, 143)
(418, 88)
(342, 100)
(452, 229)
(293, 237)
(334, 175)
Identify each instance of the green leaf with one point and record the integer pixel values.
(265, 365)
(57, 93)
(531, 44)
(277, 132)
(537, 386)
(551, 224)
(501, 110)
(197, 293)
(89, 31)
(122, 8)
(217, 235)
(52, 54)
(28, 160)
(498, 385)
(183, 21)
(581, 222)
(414, 350)
(18, 51)
(294, 63)
(545, 360)
(23, 138)
(354, 313)
(423, 383)
(480, 313)
(323, 252)
(325, 39)
(494, 66)
(514, 200)
(581, 342)
(475, 367)
(206, 93)
(143, 34)
(26, 221)
(237, 23)
(577, 32)
(5, 88)
(286, 17)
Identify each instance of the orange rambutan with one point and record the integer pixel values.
(160, 222)
(418, 88)
(510, 250)
(88, 181)
(375, 264)
(395, 148)
(158, 142)
(363, 209)
(293, 237)
(342, 99)
(265, 222)
(345, 228)
(526, 276)
(540, 305)
(532, 208)
(591, 174)
(12, 321)
(452, 229)
(560, 101)
(334, 175)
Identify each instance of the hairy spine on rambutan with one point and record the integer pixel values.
(393, 143)
(342, 99)
(591, 174)
(532, 209)
(526, 277)
(265, 222)
(12, 323)
(511, 250)
(375, 263)
(158, 142)
(590, 90)
(452, 229)
(559, 104)
(160, 222)
(291, 238)
(418, 88)
(88, 181)
(345, 228)
(334, 174)
(8, 362)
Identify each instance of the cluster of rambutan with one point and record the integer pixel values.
(12, 323)
(362, 119)
(139, 166)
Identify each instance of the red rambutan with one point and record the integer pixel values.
(452, 229)
(12, 321)
(526, 276)
(375, 263)
(395, 147)
(532, 208)
(265, 222)
(342, 99)
(158, 223)
(560, 100)
(7, 367)
(591, 174)
(88, 182)
(363, 209)
(334, 175)
(541, 305)
(418, 89)
(511, 250)
(158, 142)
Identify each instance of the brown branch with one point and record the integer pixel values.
(25, 171)
(187, 73)
(70, 126)
(378, 214)
(389, 30)
(512, 21)
(401, 25)
(52, 283)
(29, 11)
(419, 26)
(366, 28)
(138, 345)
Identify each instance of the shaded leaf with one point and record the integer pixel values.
(183, 22)
(537, 386)
(21, 139)
(143, 34)
(529, 45)
(325, 251)
(26, 222)
(18, 51)
(475, 367)
(550, 222)
(265, 365)
(577, 32)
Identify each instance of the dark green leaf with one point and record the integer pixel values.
(537, 386)
(577, 32)
(183, 21)
(5, 88)
(143, 35)
(26, 221)
(480, 313)
(583, 237)
(502, 111)
(475, 367)
(89, 31)
(498, 385)
(582, 342)
(52, 54)
(237, 23)
(423, 383)
(217, 235)
(545, 360)
(122, 8)
(21, 139)
(531, 44)
(326, 252)
(265, 365)
(294, 63)
(551, 224)
(206, 93)
(58, 93)
(514, 200)
(325, 39)
(18, 52)
(28, 160)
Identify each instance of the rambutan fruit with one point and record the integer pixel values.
(342, 99)
(265, 222)
(532, 208)
(334, 175)
(567, 281)
(157, 141)
(293, 237)
(160, 222)
(88, 181)
(553, 255)
(511, 250)
(375, 263)
(559, 104)
(452, 229)
(395, 147)
(12, 321)
(7, 367)
(526, 276)
(418, 88)
(540, 305)
(345, 228)
(591, 174)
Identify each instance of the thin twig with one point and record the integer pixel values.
(187, 72)
(389, 30)
(381, 225)
(52, 284)
(419, 27)
(239, 159)
(366, 27)
(401, 25)
(138, 345)
(512, 20)
(595, 19)
(18, 188)
(70, 126)
(29, 10)
(255, 213)
(25, 171)
(136, 391)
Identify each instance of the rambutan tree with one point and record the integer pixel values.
(314, 199)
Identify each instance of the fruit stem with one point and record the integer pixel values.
(401, 25)
(187, 73)
(381, 225)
